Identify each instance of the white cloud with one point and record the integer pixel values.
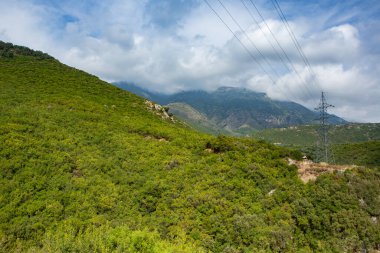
(117, 41)
(23, 23)
(335, 45)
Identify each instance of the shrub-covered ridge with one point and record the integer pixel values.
(88, 167)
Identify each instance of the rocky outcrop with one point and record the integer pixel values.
(159, 110)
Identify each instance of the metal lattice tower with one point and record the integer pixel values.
(323, 128)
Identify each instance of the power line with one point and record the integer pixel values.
(257, 23)
(294, 39)
(257, 49)
(242, 44)
(308, 93)
(298, 46)
(253, 44)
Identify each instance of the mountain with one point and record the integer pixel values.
(88, 167)
(235, 110)
(194, 118)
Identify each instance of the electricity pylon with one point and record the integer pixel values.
(323, 128)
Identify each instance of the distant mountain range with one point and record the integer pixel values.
(231, 110)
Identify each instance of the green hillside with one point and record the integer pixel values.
(364, 153)
(308, 135)
(88, 167)
(357, 144)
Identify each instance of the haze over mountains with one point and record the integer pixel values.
(232, 110)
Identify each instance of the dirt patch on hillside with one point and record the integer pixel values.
(308, 170)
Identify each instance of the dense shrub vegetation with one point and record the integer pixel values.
(308, 135)
(86, 167)
(365, 153)
(357, 143)
(8, 50)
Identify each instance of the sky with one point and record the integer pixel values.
(177, 45)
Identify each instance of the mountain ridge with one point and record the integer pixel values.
(232, 109)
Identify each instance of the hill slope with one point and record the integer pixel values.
(365, 153)
(235, 110)
(88, 167)
(351, 144)
(308, 135)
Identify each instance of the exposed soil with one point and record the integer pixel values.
(308, 170)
